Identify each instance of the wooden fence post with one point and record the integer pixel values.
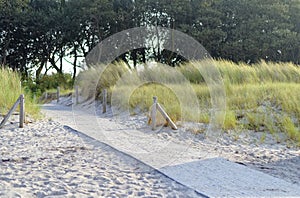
(104, 92)
(22, 110)
(21, 102)
(11, 111)
(166, 116)
(77, 94)
(153, 113)
(58, 94)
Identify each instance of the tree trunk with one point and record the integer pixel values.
(61, 56)
(158, 45)
(134, 58)
(53, 64)
(4, 55)
(75, 64)
(39, 71)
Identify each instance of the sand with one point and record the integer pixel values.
(52, 158)
(46, 159)
(165, 149)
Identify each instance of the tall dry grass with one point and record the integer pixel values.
(243, 73)
(10, 85)
(260, 97)
(98, 77)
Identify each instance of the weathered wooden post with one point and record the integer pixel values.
(104, 92)
(22, 111)
(58, 94)
(77, 94)
(157, 107)
(166, 116)
(153, 113)
(11, 111)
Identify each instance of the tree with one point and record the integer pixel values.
(256, 30)
(36, 33)
(12, 33)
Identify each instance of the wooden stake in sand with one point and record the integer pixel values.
(166, 116)
(77, 94)
(156, 106)
(20, 101)
(104, 92)
(22, 110)
(58, 94)
(153, 113)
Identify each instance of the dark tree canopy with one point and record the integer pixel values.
(36, 32)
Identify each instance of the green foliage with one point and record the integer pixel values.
(49, 82)
(10, 83)
(37, 32)
(56, 80)
(34, 33)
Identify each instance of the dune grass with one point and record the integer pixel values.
(260, 97)
(93, 80)
(10, 83)
(140, 98)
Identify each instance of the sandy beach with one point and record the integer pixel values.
(149, 99)
(49, 159)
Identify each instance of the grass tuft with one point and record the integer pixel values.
(10, 84)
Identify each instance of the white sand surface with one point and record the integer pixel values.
(47, 159)
(179, 153)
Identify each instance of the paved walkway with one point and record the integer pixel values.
(202, 171)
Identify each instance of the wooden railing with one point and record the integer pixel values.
(21, 102)
(157, 107)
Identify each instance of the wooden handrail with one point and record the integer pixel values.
(156, 106)
(20, 101)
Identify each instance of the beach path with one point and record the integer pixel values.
(203, 171)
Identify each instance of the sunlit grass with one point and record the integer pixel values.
(94, 80)
(260, 97)
(10, 84)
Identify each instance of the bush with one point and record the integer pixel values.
(49, 82)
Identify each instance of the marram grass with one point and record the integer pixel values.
(260, 97)
(10, 84)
